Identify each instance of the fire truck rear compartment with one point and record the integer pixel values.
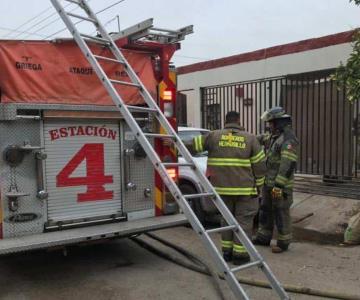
(128, 191)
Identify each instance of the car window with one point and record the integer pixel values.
(188, 135)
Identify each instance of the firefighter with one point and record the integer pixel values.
(236, 166)
(281, 158)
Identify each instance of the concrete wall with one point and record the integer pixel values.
(306, 61)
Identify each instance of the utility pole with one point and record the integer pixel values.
(118, 21)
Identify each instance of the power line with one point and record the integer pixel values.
(43, 20)
(99, 12)
(27, 22)
(106, 24)
(110, 6)
(52, 22)
(15, 30)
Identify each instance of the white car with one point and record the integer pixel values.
(188, 182)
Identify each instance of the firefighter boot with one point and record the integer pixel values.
(240, 255)
(280, 247)
(261, 241)
(241, 259)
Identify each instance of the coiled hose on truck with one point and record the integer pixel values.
(198, 265)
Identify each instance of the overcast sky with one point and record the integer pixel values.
(221, 27)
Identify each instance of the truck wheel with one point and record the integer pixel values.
(195, 204)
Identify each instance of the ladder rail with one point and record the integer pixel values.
(155, 159)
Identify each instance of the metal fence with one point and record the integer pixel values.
(326, 124)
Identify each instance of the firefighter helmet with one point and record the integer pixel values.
(274, 113)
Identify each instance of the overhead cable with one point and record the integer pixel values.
(106, 24)
(49, 23)
(99, 12)
(16, 30)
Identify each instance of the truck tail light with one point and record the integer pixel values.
(172, 173)
(169, 97)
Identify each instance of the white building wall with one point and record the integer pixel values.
(307, 61)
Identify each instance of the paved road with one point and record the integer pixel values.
(122, 270)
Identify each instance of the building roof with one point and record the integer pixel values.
(300, 46)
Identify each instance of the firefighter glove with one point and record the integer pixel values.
(277, 193)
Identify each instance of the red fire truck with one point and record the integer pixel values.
(70, 169)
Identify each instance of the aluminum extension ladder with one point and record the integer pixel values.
(161, 167)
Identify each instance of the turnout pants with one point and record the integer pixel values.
(275, 212)
(244, 209)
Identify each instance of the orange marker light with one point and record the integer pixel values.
(172, 173)
(168, 95)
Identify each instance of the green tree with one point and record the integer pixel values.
(347, 76)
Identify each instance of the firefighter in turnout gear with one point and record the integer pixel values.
(236, 167)
(281, 158)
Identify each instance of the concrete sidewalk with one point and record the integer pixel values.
(321, 218)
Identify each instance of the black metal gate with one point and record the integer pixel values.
(326, 124)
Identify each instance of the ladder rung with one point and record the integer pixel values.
(159, 135)
(220, 229)
(97, 39)
(73, 1)
(169, 165)
(81, 17)
(246, 266)
(192, 196)
(125, 83)
(141, 109)
(109, 59)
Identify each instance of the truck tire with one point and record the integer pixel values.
(195, 204)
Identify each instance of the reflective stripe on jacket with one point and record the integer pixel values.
(281, 160)
(236, 161)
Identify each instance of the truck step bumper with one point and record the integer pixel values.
(78, 235)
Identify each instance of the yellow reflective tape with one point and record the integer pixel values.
(260, 181)
(229, 159)
(235, 162)
(227, 243)
(237, 246)
(289, 185)
(258, 157)
(159, 198)
(236, 191)
(239, 249)
(284, 237)
(288, 152)
(289, 155)
(198, 144)
(293, 156)
(281, 179)
(229, 164)
(201, 147)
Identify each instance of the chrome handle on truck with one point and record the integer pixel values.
(129, 185)
(42, 194)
